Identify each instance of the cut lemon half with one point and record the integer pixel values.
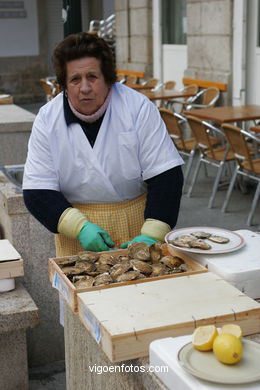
(232, 329)
(203, 337)
(228, 348)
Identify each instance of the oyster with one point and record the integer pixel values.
(183, 241)
(155, 252)
(85, 266)
(200, 234)
(171, 262)
(72, 270)
(122, 259)
(69, 261)
(106, 258)
(129, 275)
(141, 266)
(103, 268)
(102, 279)
(92, 257)
(83, 281)
(199, 244)
(158, 269)
(139, 251)
(119, 269)
(219, 239)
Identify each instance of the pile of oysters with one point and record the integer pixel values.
(196, 240)
(139, 261)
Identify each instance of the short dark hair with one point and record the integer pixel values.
(81, 45)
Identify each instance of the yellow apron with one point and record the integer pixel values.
(122, 221)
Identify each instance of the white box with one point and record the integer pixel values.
(240, 268)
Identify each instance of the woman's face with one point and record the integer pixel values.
(86, 86)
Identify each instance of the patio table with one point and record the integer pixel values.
(138, 86)
(227, 114)
(167, 94)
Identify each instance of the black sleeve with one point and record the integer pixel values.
(46, 206)
(164, 195)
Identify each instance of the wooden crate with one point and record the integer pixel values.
(69, 292)
(126, 320)
(11, 269)
(11, 264)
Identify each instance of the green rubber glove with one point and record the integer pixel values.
(93, 238)
(146, 239)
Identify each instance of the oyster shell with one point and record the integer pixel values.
(102, 279)
(83, 281)
(85, 266)
(139, 251)
(119, 269)
(219, 239)
(201, 234)
(199, 244)
(66, 262)
(155, 253)
(141, 266)
(72, 270)
(103, 268)
(158, 269)
(171, 262)
(183, 241)
(129, 275)
(92, 257)
(106, 258)
(121, 259)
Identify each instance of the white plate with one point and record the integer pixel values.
(235, 240)
(204, 365)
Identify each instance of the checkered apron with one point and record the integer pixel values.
(122, 221)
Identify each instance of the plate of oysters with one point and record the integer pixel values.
(201, 239)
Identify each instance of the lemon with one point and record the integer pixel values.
(228, 348)
(232, 329)
(203, 337)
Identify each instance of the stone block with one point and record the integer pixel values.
(121, 5)
(122, 24)
(209, 53)
(140, 4)
(194, 19)
(140, 22)
(140, 49)
(13, 357)
(216, 18)
(122, 51)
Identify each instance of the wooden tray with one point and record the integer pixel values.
(126, 320)
(69, 292)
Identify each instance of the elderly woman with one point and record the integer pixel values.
(101, 168)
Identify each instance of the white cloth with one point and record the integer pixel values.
(132, 145)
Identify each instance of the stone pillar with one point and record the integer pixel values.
(134, 35)
(209, 41)
(35, 245)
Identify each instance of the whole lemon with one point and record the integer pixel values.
(228, 348)
(203, 337)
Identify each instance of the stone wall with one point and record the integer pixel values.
(134, 35)
(209, 41)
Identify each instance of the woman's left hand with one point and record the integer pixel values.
(142, 238)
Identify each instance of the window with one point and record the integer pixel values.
(174, 22)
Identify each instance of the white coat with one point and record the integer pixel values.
(132, 145)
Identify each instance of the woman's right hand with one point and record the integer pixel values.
(93, 238)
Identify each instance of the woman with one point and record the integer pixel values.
(101, 168)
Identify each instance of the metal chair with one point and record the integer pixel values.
(214, 151)
(190, 89)
(209, 97)
(152, 82)
(247, 165)
(50, 87)
(186, 146)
